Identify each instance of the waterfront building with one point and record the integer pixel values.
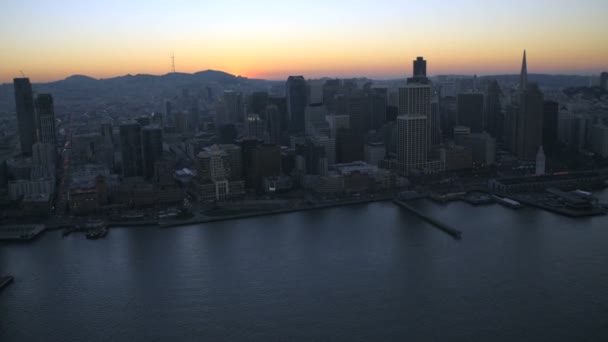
(540, 162)
(374, 152)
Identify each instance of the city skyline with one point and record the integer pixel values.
(313, 39)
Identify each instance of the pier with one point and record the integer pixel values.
(456, 234)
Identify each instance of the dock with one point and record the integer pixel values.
(5, 281)
(456, 234)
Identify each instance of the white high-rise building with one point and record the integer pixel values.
(540, 162)
(412, 142)
(415, 99)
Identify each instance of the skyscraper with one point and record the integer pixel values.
(419, 67)
(152, 149)
(45, 119)
(415, 99)
(296, 91)
(470, 111)
(412, 142)
(523, 76)
(131, 150)
(530, 122)
(550, 126)
(24, 103)
(492, 110)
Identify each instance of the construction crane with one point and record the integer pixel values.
(22, 74)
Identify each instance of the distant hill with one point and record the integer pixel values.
(549, 81)
(80, 88)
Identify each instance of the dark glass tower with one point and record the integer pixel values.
(45, 119)
(24, 103)
(470, 111)
(152, 149)
(550, 126)
(131, 150)
(493, 110)
(297, 91)
(420, 67)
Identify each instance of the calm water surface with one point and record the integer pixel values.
(370, 272)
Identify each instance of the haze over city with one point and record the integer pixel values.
(274, 39)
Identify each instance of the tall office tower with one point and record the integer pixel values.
(45, 119)
(169, 119)
(412, 142)
(24, 103)
(359, 112)
(415, 99)
(419, 67)
(523, 76)
(331, 88)
(247, 146)
(257, 103)
(255, 127)
(530, 122)
(152, 149)
(337, 122)
(470, 111)
(604, 80)
(266, 163)
(194, 113)
(131, 150)
(492, 110)
(107, 135)
(378, 103)
(329, 144)
(540, 162)
(233, 161)
(348, 146)
(435, 134)
(273, 121)
(510, 127)
(296, 91)
(44, 156)
(314, 113)
(550, 126)
(235, 108)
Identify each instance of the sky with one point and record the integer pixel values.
(52, 39)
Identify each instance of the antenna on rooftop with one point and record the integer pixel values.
(172, 62)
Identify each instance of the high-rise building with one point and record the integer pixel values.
(540, 162)
(415, 99)
(45, 119)
(470, 111)
(419, 67)
(493, 110)
(530, 122)
(131, 150)
(273, 120)
(296, 90)
(412, 142)
(550, 126)
(24, 103)
(152, 149)
(523, 76)
(235, 107)
(604, 80)
(331, 88)
(378, 104)
(266, 163)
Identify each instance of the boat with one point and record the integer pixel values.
(507, 202)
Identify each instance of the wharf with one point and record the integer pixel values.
(21, 232)
(456, 234)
